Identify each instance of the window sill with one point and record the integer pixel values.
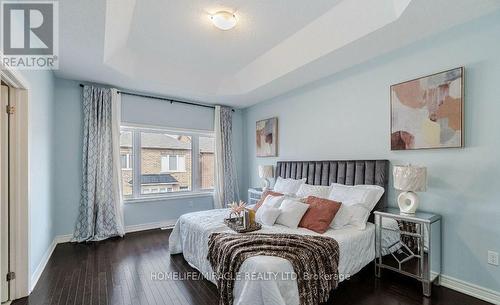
(168, 197)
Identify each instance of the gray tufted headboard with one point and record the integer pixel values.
(373, 172)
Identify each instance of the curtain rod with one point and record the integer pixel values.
(164, 99)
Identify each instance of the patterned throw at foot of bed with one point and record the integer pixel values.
(314, 259)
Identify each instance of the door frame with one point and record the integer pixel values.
(20, 201)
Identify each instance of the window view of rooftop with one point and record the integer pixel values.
(166, 163)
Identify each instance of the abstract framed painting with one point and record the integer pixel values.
(428, 112)
(267, 138)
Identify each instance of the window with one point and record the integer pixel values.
(207, 162)
(162, 162)
(166, 161)
(126, 161)
(173, 163)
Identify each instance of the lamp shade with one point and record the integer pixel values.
(410, 178)
(266, 171)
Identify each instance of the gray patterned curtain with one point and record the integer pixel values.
(226, 183)
(100, 215)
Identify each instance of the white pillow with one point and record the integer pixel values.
(357, 203)
(291, 213)
(306, 190)
(288, 186)
(267, 215)
(351, 216)
(272, 201)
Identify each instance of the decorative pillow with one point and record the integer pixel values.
(272, 201)
(351, 216)
(267, 215)
(263, 197)
(320, 214)
(320, 191)
(288, 186)
(291, 213)
(357, 203)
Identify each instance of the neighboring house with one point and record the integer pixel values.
(166, 163)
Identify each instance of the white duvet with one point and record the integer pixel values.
(190, 237)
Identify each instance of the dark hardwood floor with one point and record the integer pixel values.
(118, 271)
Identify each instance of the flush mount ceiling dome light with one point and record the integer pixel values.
(224, 20)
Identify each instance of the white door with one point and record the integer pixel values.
(4, 223)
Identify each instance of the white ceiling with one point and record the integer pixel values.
(170, 48)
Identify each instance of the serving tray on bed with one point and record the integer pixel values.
(234, 224)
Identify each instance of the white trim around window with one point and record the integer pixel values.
(170, 196)
(156, 128)
(164, 164)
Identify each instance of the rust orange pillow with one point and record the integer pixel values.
(264, 195)
(320, 214)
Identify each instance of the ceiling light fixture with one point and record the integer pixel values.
(224, 20)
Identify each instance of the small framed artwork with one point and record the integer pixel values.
(428, 112)
(267, 138)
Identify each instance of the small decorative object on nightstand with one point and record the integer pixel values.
(409, 244)
(409, 179)
(266, 172)
(254, 195)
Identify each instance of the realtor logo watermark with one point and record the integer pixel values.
(30, 35)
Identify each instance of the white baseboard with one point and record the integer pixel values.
(41, 266)
(473, 290)
(59, 239)
(150, 226)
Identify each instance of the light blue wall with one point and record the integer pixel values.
(347, 116)
(68, 153)
(141, 110)
(41, 161)
(68, 118)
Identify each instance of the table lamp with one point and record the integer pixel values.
(266, 172)
(409, 179)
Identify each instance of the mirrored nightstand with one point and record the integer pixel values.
(409, 244)
(254, 195)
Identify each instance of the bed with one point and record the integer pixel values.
(356, 247)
